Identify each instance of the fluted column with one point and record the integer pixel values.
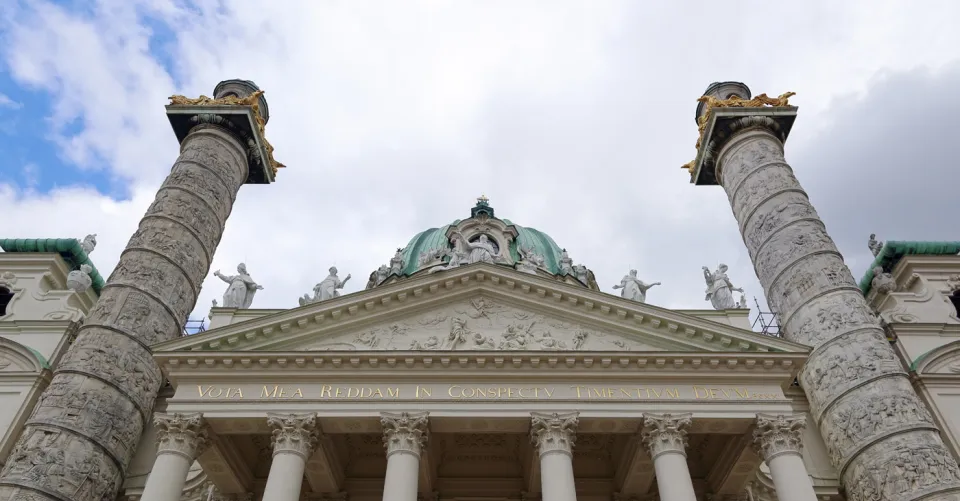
(665, 436)
(294, 438)
(180, 439)
(554, 436)
(404, 436)
(91, 417)
(778, 441)
(871, 419)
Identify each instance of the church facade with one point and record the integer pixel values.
(481, 362)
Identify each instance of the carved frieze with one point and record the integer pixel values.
(134, 313)
(185, 434)
(554, 432)
(662, 433)
(294, 433)
(405, 432)
(796, 241)
(800, 284)
(478, 324)
(743, 158)
(173, 241)
(187, 208)
(778, 212)
(902, 467)
(217, 196)
(847, 362)
(828, 317)
(778, 434)
(210, 149)
(764, 183)
(162, 279)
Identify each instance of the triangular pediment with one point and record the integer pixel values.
(480, 308)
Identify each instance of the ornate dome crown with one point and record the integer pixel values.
(482, 238)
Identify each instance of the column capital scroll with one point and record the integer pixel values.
(663, 433)
(554, 432)
(185, 434)
(778, 434)
(294, 433)
(404, 432)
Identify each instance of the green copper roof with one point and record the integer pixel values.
(891, 253)
(40, 358)
(68, 248)
(540, 243)
(425, 241)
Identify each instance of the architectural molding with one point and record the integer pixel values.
(555, 432)
(294, 433)
(663, 433)
(184, 434)
(404, 432)
(778, 434)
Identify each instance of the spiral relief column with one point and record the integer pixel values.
(875, 426)
(86, 426)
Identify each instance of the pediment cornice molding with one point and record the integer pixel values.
(369, 306)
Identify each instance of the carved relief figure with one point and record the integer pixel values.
(481, 251)
(529, 260)
(566, 263)
(457, 257)
(719, 288)
(240, 292)
(634, 289)
(874, 245)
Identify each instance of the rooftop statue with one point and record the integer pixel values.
(457, 257)
(566, 263)
(397, 263)
(529, 260)
(634, 289)
(874, 245)
(882, 282)
(481, 251)
(79, 280)
(327, 289)
(719, 288)
(89, 243)
(240, 292)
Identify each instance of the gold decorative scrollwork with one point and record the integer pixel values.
(711, 102)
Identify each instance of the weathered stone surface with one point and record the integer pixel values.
(86, 425)
(876, 429)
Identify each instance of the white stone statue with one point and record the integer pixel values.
(457, 257)
(79, 280)
(874, 245)
(634, 289)
(719, 288)
(241, 290)
(882, 282)
(481, 251)
(327, 289)
(566, 263)
(529, 260)
(397, 263)
(89, 243)
(582, 273)
(742, 304)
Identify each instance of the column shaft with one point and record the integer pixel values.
(665, 436)
(554, 436)
(778, 440)
(404, 436)
(295, 436)
(871, 419)
(167, 479)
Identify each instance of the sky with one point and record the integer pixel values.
(573, 117)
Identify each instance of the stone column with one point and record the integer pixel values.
(294, 438)
(90, 418)
(554, 436)
(665, 436)
(778, 441)
(404, 436)
(180, 439)
(870, 417)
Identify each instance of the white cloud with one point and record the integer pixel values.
(393, 117)
(6, 102)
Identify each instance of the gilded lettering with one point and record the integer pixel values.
(656, 394)
(237, 393)
(325, 391)
(549, 392)
(426, 392)
(338, 392)
(298, 393)
(393, 392)
(626, 393)
(377, 393)
(742, 392)
(674, 393)
(578, 390)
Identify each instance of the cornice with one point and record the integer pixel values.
(176, 365)
(372, 305)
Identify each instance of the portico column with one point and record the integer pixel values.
(180, 439)
(294, 438)
(404, 436)
(861, 398)
(554, 436)
(777, 440)
(665, 436)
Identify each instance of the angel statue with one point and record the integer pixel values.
(240, 292)
(481, 251)
(874, 245)
(634, 289)
(719, 288)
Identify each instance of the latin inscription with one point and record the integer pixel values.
(486, 392)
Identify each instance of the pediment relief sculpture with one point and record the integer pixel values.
(480, 324)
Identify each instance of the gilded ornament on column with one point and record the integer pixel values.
(184, 434)
(778, 434)
(665, 433)
(554, 432)
(404, 432)
(294, 433)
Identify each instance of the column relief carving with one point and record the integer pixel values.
(554, 432)
(404, 432)
(294, 433)
(665, 433)
(778, 434)
(184, 434)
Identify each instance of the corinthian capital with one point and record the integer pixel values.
(294, 433)
(665, 433)
(404, 432)
(554, 432)
(184, 434)
(778, 434)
